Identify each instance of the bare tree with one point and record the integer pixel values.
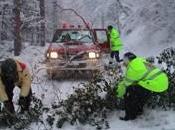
(42, 14)
(55, 15)
(17, 36)
(75, 12)
(120, 8)
(1, 24)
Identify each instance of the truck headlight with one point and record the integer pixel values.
(53, 55)
(93, 55)
(48, 55)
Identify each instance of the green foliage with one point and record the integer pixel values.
(95, 100)
(166, 100)
(89, 104)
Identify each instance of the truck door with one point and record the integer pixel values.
(102, 40)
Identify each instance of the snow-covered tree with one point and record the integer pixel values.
(17, 30)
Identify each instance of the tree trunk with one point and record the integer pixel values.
(17, 36)
(42, 14)
(1, 20)
(55, 19)
(102, 20)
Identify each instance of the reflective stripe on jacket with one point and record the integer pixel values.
(146, 75)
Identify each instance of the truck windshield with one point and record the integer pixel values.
(83, 36)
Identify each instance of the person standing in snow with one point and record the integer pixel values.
(14, 73)
(115, 43)
(140, 80)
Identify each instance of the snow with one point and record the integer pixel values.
(135, 42)
(143, 34)
(51, 91)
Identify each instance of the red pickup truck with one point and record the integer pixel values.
(76, 49)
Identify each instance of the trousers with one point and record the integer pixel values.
(116, 55)
(134, 101)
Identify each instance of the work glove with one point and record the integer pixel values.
(120, 90)
(23, 102)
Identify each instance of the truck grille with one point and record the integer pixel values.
(74, 57)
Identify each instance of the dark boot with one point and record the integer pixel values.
(126, 118)
(110, 62)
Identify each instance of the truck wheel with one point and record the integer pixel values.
(91, 73)
(51, 74)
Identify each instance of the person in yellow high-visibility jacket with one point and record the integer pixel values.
(140, 80)
(115, 43)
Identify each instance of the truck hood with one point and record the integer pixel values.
(73, 48)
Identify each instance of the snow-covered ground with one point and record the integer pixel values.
(144, 31)
(52, 91)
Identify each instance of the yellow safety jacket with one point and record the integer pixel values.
(144, 74)
(115, 40)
